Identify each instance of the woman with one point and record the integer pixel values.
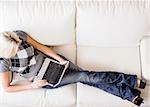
(22, 54)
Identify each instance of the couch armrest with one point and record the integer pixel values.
(145, 57)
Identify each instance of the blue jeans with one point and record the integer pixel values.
(119, 84)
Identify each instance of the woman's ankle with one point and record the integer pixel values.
(138, 83)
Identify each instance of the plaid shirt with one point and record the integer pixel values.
(24, 58)
(27, 61)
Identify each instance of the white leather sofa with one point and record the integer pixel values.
(96, 35)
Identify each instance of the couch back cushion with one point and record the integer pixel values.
(108, 34)
(111, 23)
(50, 22)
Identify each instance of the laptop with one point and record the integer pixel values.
(52, 71)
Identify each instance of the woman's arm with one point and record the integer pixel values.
(6, 78)
(46, 50)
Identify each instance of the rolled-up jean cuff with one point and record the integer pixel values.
(137, 94)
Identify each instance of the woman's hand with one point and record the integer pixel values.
(39, 83)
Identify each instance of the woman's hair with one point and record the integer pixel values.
(9, 43)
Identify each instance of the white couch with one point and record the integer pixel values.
(96, 35)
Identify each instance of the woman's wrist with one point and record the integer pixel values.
(31, 86)
(62, 61)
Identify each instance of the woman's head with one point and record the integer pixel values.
(9, 43)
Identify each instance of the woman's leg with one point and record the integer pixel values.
(106, 77)
(92, 78)
(118, 84)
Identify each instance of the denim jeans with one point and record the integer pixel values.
(119, 84)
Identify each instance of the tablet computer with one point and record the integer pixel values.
(52, 71)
